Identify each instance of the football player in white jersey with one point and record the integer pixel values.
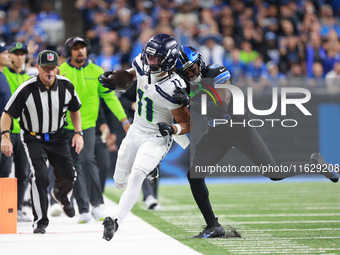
(150, 136)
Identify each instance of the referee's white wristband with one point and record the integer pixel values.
(179, 129)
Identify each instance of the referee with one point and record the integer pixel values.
(41, 103)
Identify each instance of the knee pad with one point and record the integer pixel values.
(121, 176)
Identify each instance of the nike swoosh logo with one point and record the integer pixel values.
(207, 235)
(221, 69)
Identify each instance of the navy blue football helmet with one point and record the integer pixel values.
(187, 57)
(160, 54)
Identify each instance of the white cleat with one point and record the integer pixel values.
(150, 202)
(98, 213)
(84, 218)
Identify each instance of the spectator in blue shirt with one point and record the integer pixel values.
(107, 59)
(275, 78)
(5, 32)
(317, 83)
(257, 74)
(235, 66)
(140, 43)
(140, 14)
(315, 53)
(329, 22)
(30, 31)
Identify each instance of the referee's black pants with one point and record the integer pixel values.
(57, 151)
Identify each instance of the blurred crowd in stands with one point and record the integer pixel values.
(255, 40)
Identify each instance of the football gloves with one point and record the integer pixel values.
(165, 129)
(182, 96)
(106, 81)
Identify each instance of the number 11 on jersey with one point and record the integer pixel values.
(148, 106)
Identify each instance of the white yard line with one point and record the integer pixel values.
(292, 229)
(250, 215)
(288, 222)
(65, 236)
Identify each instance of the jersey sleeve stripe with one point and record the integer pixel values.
(138, 68)
(222, 78)
(167, 96)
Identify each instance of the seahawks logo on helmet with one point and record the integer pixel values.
(150, 51)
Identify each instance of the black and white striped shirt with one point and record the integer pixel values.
(43, 110)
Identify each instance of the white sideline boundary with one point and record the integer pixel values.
(65, 236)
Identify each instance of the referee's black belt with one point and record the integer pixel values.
(45, 136)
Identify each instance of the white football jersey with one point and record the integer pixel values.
(154, 101)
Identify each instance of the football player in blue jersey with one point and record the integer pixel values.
(215, 142)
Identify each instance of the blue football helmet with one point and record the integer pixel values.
(187, 57)
(160, 54)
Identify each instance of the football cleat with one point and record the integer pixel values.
(110, 228)
(84, 218)
(64, 201)
(330, 173)
(150, 202)
(211, 232)
(98, 213)
(39, 230)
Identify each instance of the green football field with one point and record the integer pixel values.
(273, 218)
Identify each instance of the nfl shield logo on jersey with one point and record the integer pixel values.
(50, 57)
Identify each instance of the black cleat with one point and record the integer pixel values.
(39, 230)
(153, 177)
(326, 169)
(65, 203)
(110, 228)
(211, 232)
